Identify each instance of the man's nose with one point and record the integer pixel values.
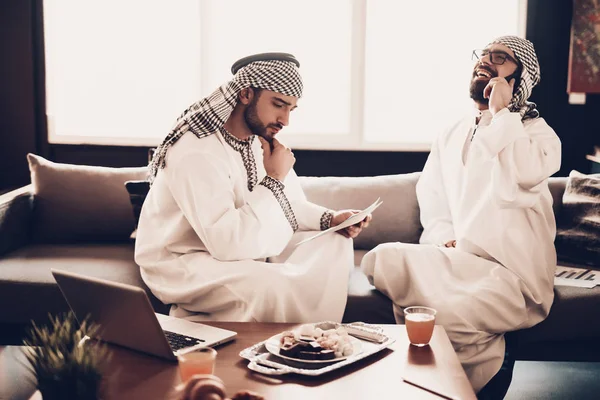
(486, 59)
(284, 118)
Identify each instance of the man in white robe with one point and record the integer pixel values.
(217, 231)
(486, 257)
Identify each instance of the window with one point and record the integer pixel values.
(378, 74)
(418, 64)
(119, 72)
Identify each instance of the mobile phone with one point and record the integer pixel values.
(517, 77)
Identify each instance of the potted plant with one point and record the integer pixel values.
(64, 362)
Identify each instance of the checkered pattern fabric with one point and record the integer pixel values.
(208, 115)
(530, 76)
(244, 147)
(326, 218)
(276, 188)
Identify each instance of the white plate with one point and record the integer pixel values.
(274, 343)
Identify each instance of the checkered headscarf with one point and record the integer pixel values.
(208, 115)
(530, 75)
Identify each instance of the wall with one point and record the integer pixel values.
(22, 104)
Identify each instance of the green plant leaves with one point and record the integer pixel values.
(65, 364)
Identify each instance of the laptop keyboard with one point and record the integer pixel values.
(178, 341)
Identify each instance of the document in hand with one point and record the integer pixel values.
(354, 219)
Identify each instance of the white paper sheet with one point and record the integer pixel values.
(354, 219)
(577, 277)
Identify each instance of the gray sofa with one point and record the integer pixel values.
(29, 248)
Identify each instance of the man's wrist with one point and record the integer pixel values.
(326, 218)
(276, 177)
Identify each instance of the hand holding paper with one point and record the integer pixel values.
(352, 220)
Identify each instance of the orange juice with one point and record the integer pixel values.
(201, 361)
(419, 327)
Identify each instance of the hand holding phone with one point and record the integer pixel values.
(499, 92)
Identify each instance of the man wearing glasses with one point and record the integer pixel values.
(486, 257)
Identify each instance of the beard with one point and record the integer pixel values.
(256, 126)
(477, 85)
(254, 123)
(476, 90)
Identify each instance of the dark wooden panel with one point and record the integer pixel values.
(308, 162)
(107, 156)
(17, 98)
(357, 163)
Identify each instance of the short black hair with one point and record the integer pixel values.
(257, 91)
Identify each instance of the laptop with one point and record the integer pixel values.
(126, 317)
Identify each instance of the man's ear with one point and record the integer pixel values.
(246, 95)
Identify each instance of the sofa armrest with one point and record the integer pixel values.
(15, 218)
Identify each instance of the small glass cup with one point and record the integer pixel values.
(199, 361)
(419, 324)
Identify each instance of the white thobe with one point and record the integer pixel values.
(489, 192)
(217, 249)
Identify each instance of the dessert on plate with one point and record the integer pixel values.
(311, 342)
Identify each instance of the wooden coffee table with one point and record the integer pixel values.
(134, 375)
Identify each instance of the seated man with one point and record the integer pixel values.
(486, 260)
(213, 215)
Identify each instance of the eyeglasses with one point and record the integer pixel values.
(496, 57)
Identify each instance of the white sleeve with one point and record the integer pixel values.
(525, 156)
(204, 192)
(433, 202)
(310, 216)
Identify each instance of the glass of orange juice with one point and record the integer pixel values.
(419, 324)
(199, 361)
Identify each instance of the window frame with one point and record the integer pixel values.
(351, 141)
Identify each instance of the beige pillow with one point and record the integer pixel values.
(81, 203)
(396, 220)
(578, 223)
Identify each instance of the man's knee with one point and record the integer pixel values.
(387, 260)
(394, 252)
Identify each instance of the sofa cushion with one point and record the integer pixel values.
(574, 316)
(396, 220)
(578, 225)
(138, 190)
(80, 203)
(27, 283)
